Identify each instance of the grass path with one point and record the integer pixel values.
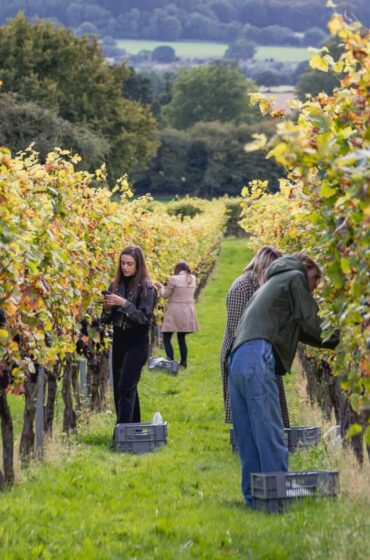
(184, 500)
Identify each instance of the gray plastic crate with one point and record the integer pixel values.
(140, 437)
(163, 364)
(272, 492)
(294, 437)
(301, 436)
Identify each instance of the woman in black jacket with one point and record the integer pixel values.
(129, 305)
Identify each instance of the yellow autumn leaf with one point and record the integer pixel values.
(4, 336)
(48, 325)
(10, 308)
(336, 24)
(338, 66)
(278, 152)
(317, 62)
(259, 143)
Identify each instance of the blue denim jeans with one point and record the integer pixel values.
(254, 397)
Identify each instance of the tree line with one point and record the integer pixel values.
(220, 20)
(182, 134)
(58, 90)
(175, 133)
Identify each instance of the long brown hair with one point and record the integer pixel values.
(141, 275)
(261, 261)
(183, 266)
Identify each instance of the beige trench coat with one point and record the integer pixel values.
(180, 315)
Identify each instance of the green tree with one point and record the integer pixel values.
(138, 87)
(59, 71)
(164, 54)
(314, 36)
(241, 49)
(23, 123)
(224, 11)
(208, 160)
(167, 170)
(217, 92)
(315, 81)
(229, 167)
(268, 78)
(277, 35)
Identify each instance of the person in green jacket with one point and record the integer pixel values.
(281, 313)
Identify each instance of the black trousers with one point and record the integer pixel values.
(129, 354)
(182, 346)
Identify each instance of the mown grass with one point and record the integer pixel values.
(206, 49)
(184, 500)
(282, 54)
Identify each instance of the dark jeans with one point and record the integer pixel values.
(182, 345)
(130, 352)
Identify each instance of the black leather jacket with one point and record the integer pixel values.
(137, 312)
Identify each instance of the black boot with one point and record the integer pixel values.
(183, 364)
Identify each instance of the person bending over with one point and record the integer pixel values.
(280, 314)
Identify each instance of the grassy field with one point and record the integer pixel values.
(184, 500)
(282, 54)
(200, 49)
(184, 49)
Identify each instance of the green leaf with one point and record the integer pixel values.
(367, 436)
(327, 191)
(336, 275)
(345, 266)
(353, 430)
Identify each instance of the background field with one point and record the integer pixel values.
(200, 49)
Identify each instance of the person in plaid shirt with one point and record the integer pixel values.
(238, 296)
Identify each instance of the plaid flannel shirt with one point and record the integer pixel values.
(238, 296)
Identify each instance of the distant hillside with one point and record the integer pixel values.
(216, 20)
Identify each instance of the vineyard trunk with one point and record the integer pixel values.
(7, 438)
(104, 377)
(51, 376)
(324, 388)
(28, 435)
(76, 385)
(69, 415)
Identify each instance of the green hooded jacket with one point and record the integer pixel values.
(283, 312)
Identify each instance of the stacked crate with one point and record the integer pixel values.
(301, 436)
(295, 437)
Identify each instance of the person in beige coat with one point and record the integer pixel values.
(180, 316)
